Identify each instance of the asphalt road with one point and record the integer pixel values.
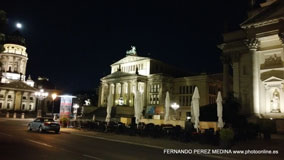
(16, 143)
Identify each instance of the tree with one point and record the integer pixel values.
(3, 21)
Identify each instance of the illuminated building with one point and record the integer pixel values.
(153, 79)
(256, 55)
(16, 93)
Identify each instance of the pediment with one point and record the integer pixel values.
(129, 59)
(277, 74)
(266, 15)
(273, 79)
(118, 74)
(18, 85)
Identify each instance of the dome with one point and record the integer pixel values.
(16, 38)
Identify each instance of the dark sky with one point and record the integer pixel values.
(73, 43)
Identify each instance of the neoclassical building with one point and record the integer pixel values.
(16, 93)
(256, 55)
(153, 79)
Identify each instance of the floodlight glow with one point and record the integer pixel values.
(19, 25)
(54, 95)
(75, 106)
(175, 106)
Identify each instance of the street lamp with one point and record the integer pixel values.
(54, 95)
(175, 107)
(75, 106)
(40, 95)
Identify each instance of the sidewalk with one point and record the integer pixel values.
(276, 143)
(17, 119)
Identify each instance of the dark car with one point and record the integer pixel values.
(44, 124)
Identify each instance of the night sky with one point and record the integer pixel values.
(73, 43)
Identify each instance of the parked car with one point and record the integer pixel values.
(44, 124)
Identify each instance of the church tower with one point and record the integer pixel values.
(13, 59)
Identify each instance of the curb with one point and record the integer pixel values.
(65, 132)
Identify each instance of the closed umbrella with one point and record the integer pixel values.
(167, 106)
(192, 113)
(195, 104)
(109, 106)
(138, 107)
(219, 110)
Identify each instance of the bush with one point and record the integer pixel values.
(226, 134)
(64, 122)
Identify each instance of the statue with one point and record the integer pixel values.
(87, 102)
(275, 102)
(132, 51)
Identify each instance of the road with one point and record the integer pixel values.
(17, 143)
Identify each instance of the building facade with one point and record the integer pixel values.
(256, 55)
(16, 93)
(153, 78)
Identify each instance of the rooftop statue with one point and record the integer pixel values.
(132, 51)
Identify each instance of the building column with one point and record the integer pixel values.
(128, 93)
(255, 81)
(137, 89)
(114, 94)
(5, 99)
(161, 92)
(100, 98)
(236, 75)
(121, 90)
(102, 95)
(21, 101)
(144, 94)
(225, 61)
(28, 100)
(20, 66)
(252, 45)
(14, 103)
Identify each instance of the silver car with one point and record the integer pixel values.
(44, 124)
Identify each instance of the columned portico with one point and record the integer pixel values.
(124, 88)
(17, 96)
(259, 69)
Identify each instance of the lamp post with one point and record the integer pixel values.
(40, 95)
(75, 106)
(54, 95)
(175, 106)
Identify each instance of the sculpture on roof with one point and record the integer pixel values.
(132, 51)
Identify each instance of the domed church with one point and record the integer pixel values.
(16, 92)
